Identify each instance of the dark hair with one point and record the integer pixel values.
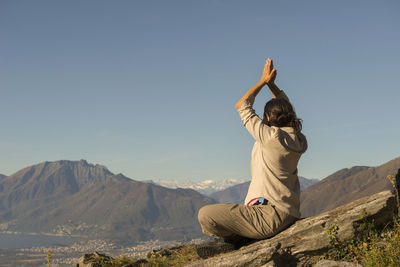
(281, 114)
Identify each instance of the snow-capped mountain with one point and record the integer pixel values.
(205, 187)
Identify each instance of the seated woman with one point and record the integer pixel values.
(273, 199)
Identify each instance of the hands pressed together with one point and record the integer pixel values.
(269, 73)
(267, 78)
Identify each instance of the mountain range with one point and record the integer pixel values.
(205, 187)
(86, 200)
(339, 188)
(237, 194)
(78, 198)
(345, 186)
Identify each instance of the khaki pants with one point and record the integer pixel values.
(256, 222)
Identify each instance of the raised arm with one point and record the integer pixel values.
(251, 93)
(267, 78)
(274, 89)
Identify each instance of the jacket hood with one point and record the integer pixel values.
(292, 140)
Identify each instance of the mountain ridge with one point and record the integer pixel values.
(346, 185)
(74, 197)
(205, 187)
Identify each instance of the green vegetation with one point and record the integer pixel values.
(178, 256)
(373, 247)
(101, 260)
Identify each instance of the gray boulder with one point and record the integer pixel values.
(304, 242)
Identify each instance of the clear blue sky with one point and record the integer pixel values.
(148, 88)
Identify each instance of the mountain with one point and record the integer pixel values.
(78, 198)
(2, 176)
(205, 187)
(345, 186)
(237, 193)
(305, 183)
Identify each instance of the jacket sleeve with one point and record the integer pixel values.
(259, 130)
(282, 95)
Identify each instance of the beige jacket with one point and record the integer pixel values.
(274, 159)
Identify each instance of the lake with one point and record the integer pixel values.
(31, 240)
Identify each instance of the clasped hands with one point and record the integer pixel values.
(269, 73)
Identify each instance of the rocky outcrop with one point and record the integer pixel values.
(307, 239)
(93, 260)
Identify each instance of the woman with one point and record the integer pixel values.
(273, 199)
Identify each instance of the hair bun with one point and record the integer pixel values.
(281, 114)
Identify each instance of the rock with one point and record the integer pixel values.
(303, 242)
(94, 259)
(164, 252)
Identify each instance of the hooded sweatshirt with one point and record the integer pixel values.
(274, 158)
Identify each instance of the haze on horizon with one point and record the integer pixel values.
(148, 88)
